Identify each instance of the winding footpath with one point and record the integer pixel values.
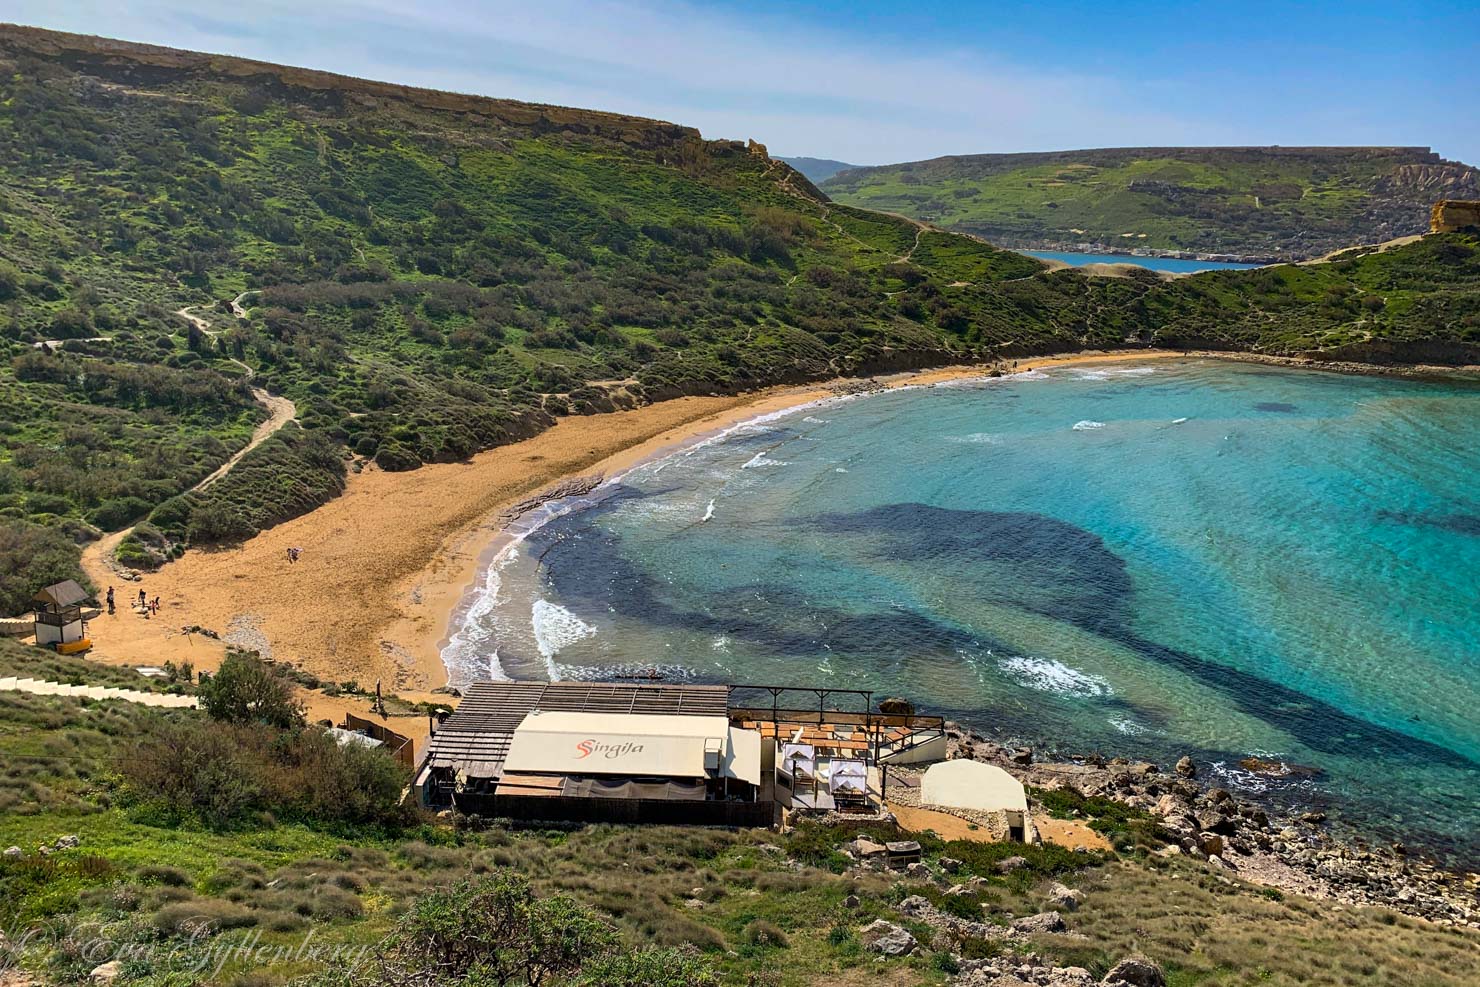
(98, 557)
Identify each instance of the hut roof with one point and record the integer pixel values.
(63, 594)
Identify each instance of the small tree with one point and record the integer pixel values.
(246, 690)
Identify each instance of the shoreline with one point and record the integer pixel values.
(771, 401)
(365, 607)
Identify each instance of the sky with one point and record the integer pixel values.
(873, 83)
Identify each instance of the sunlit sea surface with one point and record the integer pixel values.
(1185, 556)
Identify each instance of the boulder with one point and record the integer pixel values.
(1042, 922)
(887, 939)
(950, 865)
(68, 842)
(1210, 844)
(1186, 767)
(106, 973)
(915, 905)
(1009, 864)
(894, 706)
(1135, 971)
(1063, 897)
(13, 852)
(1023, 755)
(851, 901)
(864, 848)
(918, 871)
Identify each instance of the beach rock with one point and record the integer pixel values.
(106, 973)
(894, 706)
(887, 939)
(1135, 971)
(1023, 755)
(1009, 864)
(1313, 818)
(1042, 922)
(915, 905)
(1063, 897)
(1186, 767)
(1210, 844)
(1213, 821)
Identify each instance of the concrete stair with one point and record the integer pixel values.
(41, 687)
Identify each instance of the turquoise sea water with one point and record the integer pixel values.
(1147, 559)
(1154, 263)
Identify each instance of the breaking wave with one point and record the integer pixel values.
(1048, 675)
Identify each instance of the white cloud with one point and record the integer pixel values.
(800, 93)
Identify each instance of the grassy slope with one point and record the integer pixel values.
(1286, 202)
(432, 274)
(131, 872)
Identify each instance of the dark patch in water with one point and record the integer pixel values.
(1088, 587)
(1460, 524)
(1279, 407)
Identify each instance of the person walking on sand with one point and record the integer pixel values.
(142, 600)
(110, 601)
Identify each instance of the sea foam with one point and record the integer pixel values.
(1048, 675)
(555, 628)
(1087, 425)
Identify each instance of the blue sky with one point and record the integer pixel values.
(877, 82)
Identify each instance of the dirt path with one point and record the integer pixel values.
(280, 410)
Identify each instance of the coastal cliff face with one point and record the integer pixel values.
(1451, 216)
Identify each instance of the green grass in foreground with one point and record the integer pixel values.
(760, 907)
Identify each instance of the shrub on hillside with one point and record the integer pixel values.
(33, 556)
(113, 514)
(496, 931)
(222, 774)
(245, 689)
(396, 458)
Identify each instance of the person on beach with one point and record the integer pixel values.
(142, 599)
(110, 601)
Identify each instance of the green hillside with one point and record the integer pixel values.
(427, 275)
(1287, 203)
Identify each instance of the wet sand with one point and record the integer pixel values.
(385, 566)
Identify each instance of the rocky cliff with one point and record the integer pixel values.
(1454, 215)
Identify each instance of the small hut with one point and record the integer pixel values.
(59, 621)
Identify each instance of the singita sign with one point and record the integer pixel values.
(615, 744)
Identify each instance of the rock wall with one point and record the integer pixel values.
(1453, 215)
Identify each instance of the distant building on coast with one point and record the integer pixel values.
(668, 753)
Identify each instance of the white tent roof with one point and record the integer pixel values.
(617, 744)
(964, 784)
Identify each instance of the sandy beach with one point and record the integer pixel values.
(384, 567)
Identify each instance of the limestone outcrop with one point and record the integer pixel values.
(1453, 215)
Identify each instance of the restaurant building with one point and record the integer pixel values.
(666, 753)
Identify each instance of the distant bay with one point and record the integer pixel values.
(1174, 264)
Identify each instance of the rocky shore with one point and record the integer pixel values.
(1237, 835)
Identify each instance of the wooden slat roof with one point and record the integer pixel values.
(475, 738)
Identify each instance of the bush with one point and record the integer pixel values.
(681, 967)
(113, 514)
(492, 931)
(396, 458)
(33, 556)
(200, 916)
(221, 774)
(245, 689)
(763, 934)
